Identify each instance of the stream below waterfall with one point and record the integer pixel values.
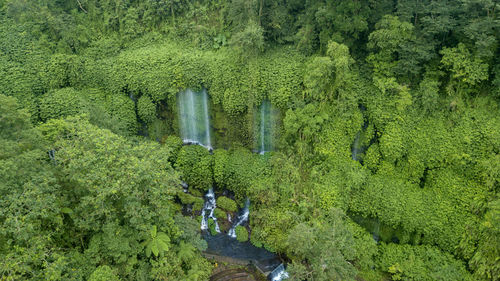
(226, 245)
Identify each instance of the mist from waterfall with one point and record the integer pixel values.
(194, 118)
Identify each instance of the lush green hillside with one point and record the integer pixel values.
(389, 127)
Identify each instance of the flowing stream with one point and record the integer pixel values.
(227, 246)
(194, 118)
(242, 218)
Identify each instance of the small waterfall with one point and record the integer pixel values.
(209, 208)
(265, 130)
(208, 141)
(242, 218)
(262, 130)
(194, 120)
(355, 147)
(278, 274)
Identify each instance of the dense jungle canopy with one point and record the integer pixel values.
(387, 126)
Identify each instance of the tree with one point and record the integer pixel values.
(327, 249)
(466, 70)
(250, 40)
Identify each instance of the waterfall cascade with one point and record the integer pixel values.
(194, 120)
(355, 148)
(242, 218)
(264, 133)
(278, 273)
(208, 210)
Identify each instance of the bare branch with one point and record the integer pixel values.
(80, 4)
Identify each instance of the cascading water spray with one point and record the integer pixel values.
(355, 148)
(209, 207)
(262, 148)
(265, 120)
(242, 218)
(278, 274)
(194, 119)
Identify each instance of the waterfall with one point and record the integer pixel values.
(278, 273)
(209, 208)
(265, 131)
(194, 119)
(355, 148)
(208, 142)
(242, 218)
(262, 131)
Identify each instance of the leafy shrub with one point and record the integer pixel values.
(103, 273)
(241, 233)
(211, 227)
(175, 144)
(195, 164)
(406, 262)
(60, 103)
(227, 204)
(187, 198)
(146, 109)
(220, 214)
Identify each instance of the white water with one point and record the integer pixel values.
(264, 132)
(355, 148)
(208, 142)
(278, 273)
(209, 207)
(262, 148)
(194, 119)
(242, 218)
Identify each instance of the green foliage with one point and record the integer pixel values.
(236, 171)
(226, 204)
(103, 273)
(187, 198)
(465, 68)
(389, 35)
(250, 40)
(416, 80)
(175, 144)
(327, 248)
(146, 109)
(195, 164)
(405, 262)
(211, 227)
(157, 243)
(220, 214)
(241, 233)
(485, 259)
(190, 232)
(60, 103)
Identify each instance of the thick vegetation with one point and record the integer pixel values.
(389, 127)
